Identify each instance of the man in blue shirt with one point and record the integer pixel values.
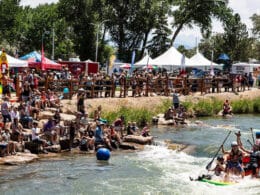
(100, 139)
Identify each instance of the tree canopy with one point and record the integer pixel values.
(102, 27)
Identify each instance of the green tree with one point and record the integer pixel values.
(81, 18)
(8, 12)
(160, 40)
(256, 37)
(133, 22)
(198, 12)
(236, 41)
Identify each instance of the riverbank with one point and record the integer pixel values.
(147, 107)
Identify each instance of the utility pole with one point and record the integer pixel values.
(53, 43)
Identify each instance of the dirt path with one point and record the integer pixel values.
(114, 104)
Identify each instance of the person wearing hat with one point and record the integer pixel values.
(100, 139)
(234, 160)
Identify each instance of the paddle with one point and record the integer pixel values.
(210, 163)
(252, 134)
(250, 142)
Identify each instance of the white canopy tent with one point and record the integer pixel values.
(199, 61)
(146, 60)
(171, 59)
(244, 67)
(14, 62)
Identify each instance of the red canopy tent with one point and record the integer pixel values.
(34, 61)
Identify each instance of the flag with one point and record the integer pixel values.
(183, 62)
(3, 63)
(43, 60)
(133, 59)
(112, 60)
(132, 62)
(211, 65)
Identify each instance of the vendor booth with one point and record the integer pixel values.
(34, 61)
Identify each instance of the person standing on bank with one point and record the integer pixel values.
(80, 101)
(175, 100)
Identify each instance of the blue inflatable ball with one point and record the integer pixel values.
(66, 90)
(103, 154)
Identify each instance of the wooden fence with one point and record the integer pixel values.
(144, 87)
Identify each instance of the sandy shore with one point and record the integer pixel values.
(115, 104)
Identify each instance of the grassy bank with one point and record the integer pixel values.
(211, 107)
(203, 107)
(137, 114)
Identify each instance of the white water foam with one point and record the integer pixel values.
(177, 167)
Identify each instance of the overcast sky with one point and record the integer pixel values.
(246, 8)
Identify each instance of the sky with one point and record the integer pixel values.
(245, 8)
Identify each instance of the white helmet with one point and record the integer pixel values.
(234, 143)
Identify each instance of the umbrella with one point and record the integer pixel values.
(126, 66)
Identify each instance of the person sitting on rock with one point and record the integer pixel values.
(129, 130)
(132, 128)
(4, 147)
(87, 141)
(25, 118)
(6, 139)
(146, 130)
(119, 125)
(57, 117)
(49, 130)
(100, 139)
(114, 135)
(168, 114)
(36, 135)
(226, 108)
(17, 130)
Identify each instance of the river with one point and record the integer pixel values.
(153, 171)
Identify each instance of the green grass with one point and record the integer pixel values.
(202, 108)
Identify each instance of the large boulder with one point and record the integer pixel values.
(67, 117)
(138, 139)
(46, 115)
(19, 158)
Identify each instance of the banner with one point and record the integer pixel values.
(3, 63)
(43, 61)
(112, 60)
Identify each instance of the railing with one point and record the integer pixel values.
(132, 86)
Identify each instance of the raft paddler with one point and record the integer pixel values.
(234, 160)
(254, 156)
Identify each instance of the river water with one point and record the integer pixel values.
(153, 171)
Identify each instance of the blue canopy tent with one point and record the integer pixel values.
(224, 57)
(33, 56)
(34, 60)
